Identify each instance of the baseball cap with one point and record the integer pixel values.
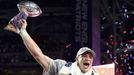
(85, 49)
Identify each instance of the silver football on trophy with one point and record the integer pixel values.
(27, 9)
(30, 8)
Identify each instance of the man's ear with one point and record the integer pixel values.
(77, 58)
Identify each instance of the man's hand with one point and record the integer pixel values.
(24, 24)
(13, 28)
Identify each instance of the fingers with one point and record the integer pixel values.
(13, 28)
(24, 24)
(10, 27)
(23, 21)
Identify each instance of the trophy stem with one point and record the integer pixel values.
(16, 19)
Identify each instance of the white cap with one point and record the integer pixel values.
(85, 49)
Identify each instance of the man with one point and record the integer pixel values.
(82, 65)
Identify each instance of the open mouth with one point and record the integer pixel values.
(86, 65)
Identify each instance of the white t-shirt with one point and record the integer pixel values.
(61, 67)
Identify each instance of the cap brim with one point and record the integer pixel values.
(91, 52)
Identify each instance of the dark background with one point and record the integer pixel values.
(54, 32)
(110, 33)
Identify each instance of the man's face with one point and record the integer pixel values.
(85, 61)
